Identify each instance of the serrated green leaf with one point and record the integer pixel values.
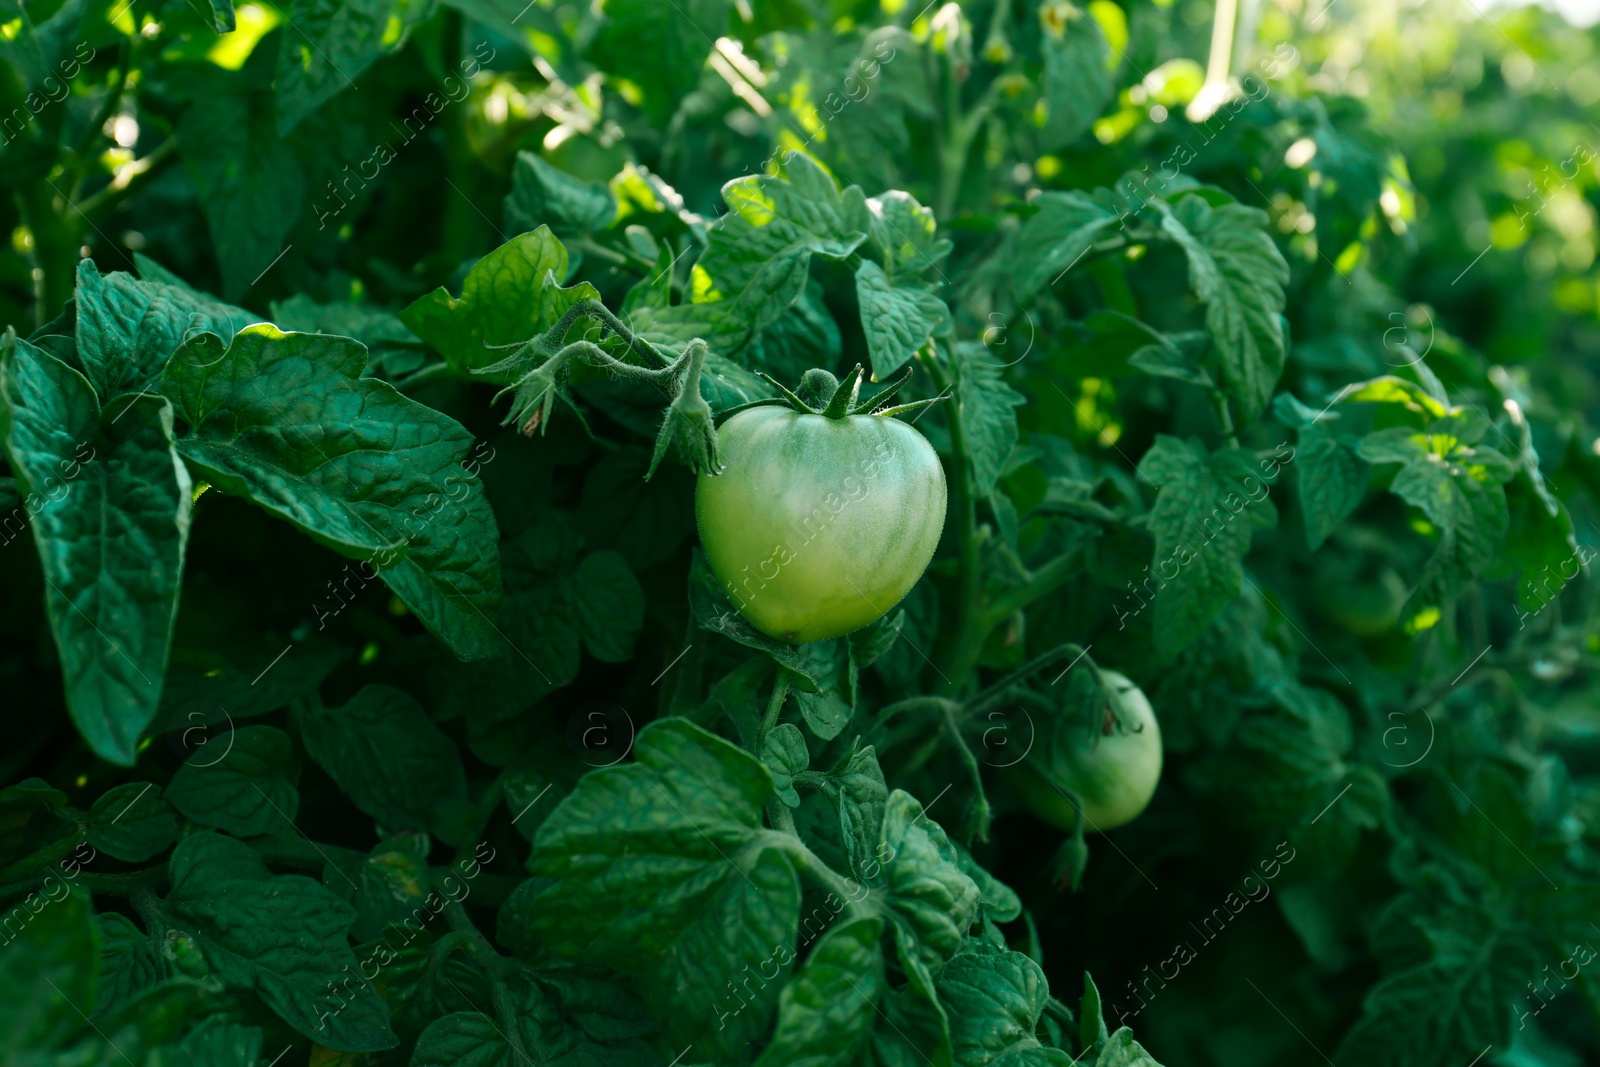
(128, 961)
(928, 893)
(858, 790)
(219, 1042)
(784, 753)
(987, 411)
(387, 756)
(607, 606)
(328, 44)
(1331, 484)
(512, 294)
(1121, 1050)
(756, 262)
(1203, 517)
(132, 822)
(544, 195)
(661, 49)
(375, 327)
(128, 327)
(904, 234)
(828, 666)
(1451, 1007)
(897, 319)
(661, 868)
(282, 936)
(827, 1012)
(1076, 83)
(287, 421)
(1000, 902)
(1239, 274)
(111, 538)
(239, 783)
(994, 1003)
(563, 1018)
(251, 185)
(1458, 485)
(1058, 235)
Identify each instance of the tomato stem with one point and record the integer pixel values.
(968, 638)
(780, 690)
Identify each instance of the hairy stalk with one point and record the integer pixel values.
(494, 966)
(969, 762)
(968, 638)
(1044, 580)
(855, 896)
(780, 690)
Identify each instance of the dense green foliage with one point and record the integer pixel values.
(350, 724)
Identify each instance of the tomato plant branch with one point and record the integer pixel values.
(55, 249)
(996, 692)
(96, 127)
(495, 968)
(967, 640)
(980, 803)
(780, 690)
(128, 179)
(1043, 581)
(852, 893)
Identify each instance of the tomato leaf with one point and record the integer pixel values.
(784, 753)
(328, 44)
(129, 963)
(545, 195)
(127, 327)
(988, 415)
(1057, 236)
(1202, 519)
(994, 1003)
(1077, 81)
(49, 976)
(567, 1020)
(930, 897)
(695, 893)
(898, 318)
(1458, 484)
(756, 263)
(510, 295)
(1332, 481)
(239, 782)
(251, 185)
(387, 756)
(1239, 274)
(282, 936)
(111, 539)
(273, 419)
(132, 822)
(659, 49)
(827, 1013)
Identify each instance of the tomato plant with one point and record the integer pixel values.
(721, 533)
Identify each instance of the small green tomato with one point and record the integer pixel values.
(821, 520)
(1113, 776)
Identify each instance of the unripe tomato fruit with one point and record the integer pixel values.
(819, 524)
(1113, 775)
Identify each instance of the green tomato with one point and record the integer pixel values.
(1113, 776)
(819, 525)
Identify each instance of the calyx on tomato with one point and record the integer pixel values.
(827, 511)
